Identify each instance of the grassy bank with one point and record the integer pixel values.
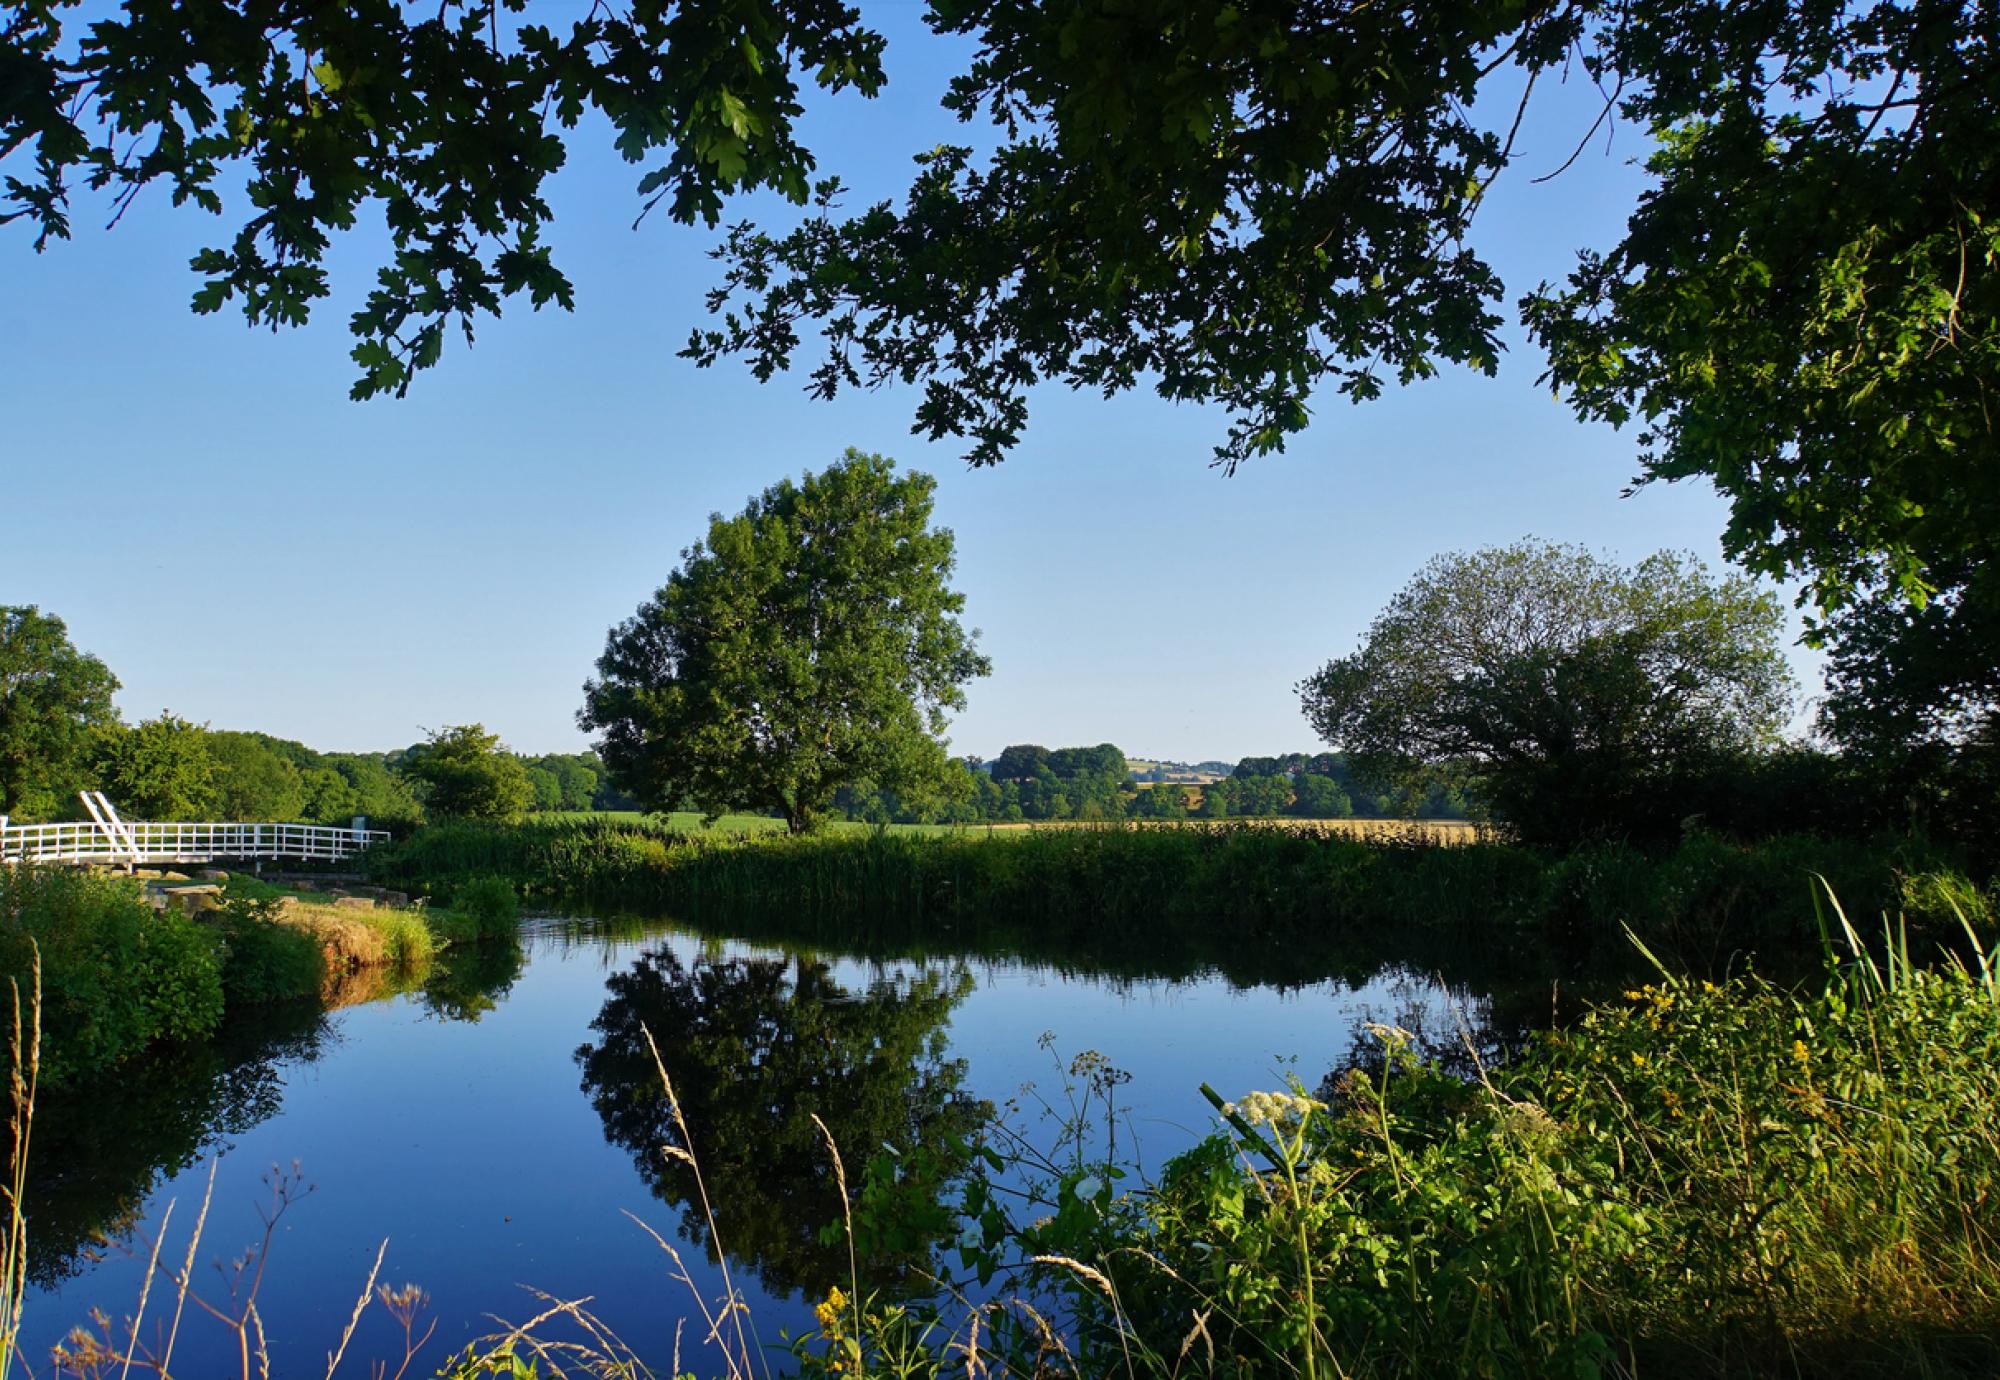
(1735, 1180)
(1229, 896)
(119, 976)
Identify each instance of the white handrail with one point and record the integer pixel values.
(144, 841)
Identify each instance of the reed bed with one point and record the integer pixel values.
(1240, 889)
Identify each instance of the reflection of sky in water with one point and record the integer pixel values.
(471, 1147)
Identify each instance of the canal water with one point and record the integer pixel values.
(500, 1130)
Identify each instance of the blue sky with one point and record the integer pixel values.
(244, 546)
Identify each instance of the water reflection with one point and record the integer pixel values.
(470, 982)
(100, 1149)
(755, 1047)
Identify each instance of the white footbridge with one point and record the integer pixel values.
(109, 839)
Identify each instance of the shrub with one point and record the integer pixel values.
(490, 905)
(116, 976)
(262, 959)
(407, 940)
(1941, 899)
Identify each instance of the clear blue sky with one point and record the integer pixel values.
(244, 546)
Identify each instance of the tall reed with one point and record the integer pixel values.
(23, 1072)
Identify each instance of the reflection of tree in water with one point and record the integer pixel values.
(101, 1148)
(755, 1047)
(469, 980)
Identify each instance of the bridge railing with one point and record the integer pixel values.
(144, 841)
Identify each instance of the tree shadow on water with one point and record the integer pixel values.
(755, 1047)
(103, 1147)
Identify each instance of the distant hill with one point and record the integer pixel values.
(1150, 769)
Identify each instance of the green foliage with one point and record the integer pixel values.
(1320, 797)
(811, 643)
(160, 769)
(1163, 801)
(565, 781)
(464, 773)
(1914, 691)
(264, 961)
(1572, 691)
(489, 904)
(446, 122)
(1233, 201)
(253, 780)
(115, 976)
(1825, 359)
(1703, 1180)
(1027, 781)
(1735, 1180)
(53, 698)
(365, 786)
(1255, 903)
(409, 943)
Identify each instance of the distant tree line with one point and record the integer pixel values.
(60, 734)
(1028, 782)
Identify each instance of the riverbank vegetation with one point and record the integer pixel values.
(1696, 1179)
(1233, 891)
(120, 975)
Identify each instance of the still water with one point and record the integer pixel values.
(496, 1127)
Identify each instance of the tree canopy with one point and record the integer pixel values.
(159, 769)
(53, 698)
(812, 642)
(1572, 690)
(463, 772)
(253, 780)
(1238, 201)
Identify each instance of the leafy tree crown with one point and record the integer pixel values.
(811, 642)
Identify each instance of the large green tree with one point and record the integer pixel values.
(160, 769)
(812, 642)
(53, 698)
(1577, 693)
(463, 772)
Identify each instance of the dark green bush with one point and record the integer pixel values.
(116, 975)
(264, 961)
(490, 905)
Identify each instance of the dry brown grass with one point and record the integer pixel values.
(1438, 831)
(348, 941)
(354, 941)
